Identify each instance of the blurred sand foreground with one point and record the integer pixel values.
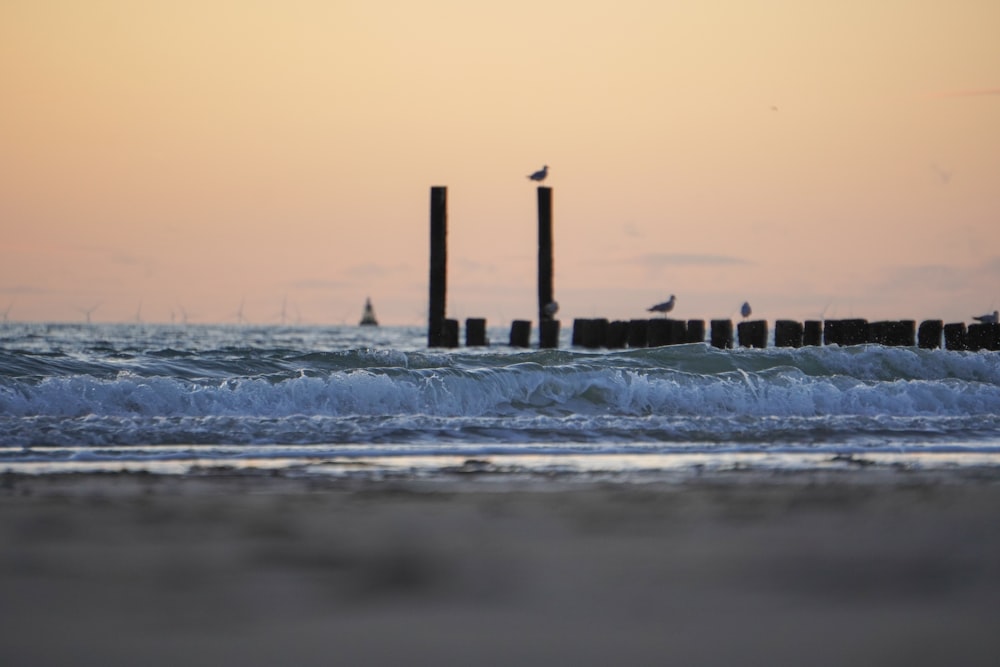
(862, 567)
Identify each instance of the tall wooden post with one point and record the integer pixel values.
(545, 298)
(439, 263)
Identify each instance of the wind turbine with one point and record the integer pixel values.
(87, 311)
(239, 313)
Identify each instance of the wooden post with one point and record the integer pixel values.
(658, 332)
(753, 333)
(548, 332)
(520, 333)
(595, 334)
(695, 331)
(546, 301)
(833, 332)
(579, 326)
(983, 336)
(617, 334)
(955, 336)
(892, 333)
(787, 333)
(845, 332)
(637, 333)
(929, 334)
(475, 332)
(904, 333)
(812, 333)
(722, 334)
(590, 332)
(855, 331)
(439, 263)
(450, 333)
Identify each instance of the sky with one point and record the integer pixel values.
(270, 161)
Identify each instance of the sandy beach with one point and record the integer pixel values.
(866, 566)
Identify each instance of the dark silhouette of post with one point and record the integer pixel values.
(812, 332)
(752, 333)
(955, 336)
(545, 297)
(617, 334)
(475, 332)
(721, 335)
(637, 333)
(696, 331)
(929, 334)
(787, 333)
(548, 332)
(450, 333)
(436, 334)
(520, 333)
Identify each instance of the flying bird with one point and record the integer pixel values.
(540, 174)
(988, 319)
(664, 307)
(745, 309)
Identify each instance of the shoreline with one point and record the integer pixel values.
(866, 565)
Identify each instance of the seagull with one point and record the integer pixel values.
(550, 309)
(540, 174)
(988, 319)
(745, 309)
(664, 307)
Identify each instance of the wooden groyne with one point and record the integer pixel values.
(597, 333)
(931, 334)
(594, 333)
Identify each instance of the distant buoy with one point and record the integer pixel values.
(368, 317)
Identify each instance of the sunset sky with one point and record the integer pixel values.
(202, 159)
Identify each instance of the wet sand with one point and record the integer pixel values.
(860, 566)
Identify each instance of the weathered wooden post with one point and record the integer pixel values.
(475, 331)
(617, 334)
(929, 334)
(855, 331)
(753, 333)
(955, 336)
(439, 264)
(833, 332)
(904, 333)
(520, 333)
(450, 333)
(695, 331)
(983, 336)
(548, 334)
(845, 332)
(892, 333)
(722, 334)
(595, 333)
(787, 333)
(665, 331)
(548, 331)
(657, 332)
(812, 333)
(637, 333)
(579, 325)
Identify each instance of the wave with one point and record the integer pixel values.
(695, 382)
(72, 386)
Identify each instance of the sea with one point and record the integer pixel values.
(377, 402)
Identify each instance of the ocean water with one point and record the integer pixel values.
(352, 400)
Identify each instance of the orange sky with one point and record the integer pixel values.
(179, 159)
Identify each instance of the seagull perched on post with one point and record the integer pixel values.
(745, 309)
(540, 174)
(988, 319)
(664, 307)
